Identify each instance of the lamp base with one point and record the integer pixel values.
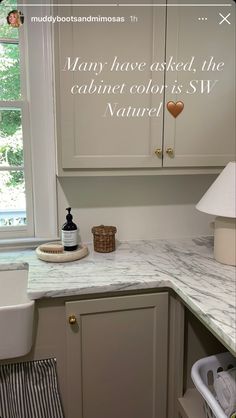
(225, 240)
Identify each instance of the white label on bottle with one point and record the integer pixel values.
(69, 238)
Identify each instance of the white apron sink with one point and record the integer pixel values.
(16, 312)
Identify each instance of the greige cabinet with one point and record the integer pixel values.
(117, 357)
(204, 133)
(99, 126)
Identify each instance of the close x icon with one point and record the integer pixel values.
(224, 19)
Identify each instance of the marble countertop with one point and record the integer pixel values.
(187, 266)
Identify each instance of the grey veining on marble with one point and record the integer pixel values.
(187, 266)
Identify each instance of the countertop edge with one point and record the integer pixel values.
(160, 284)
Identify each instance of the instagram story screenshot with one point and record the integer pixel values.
(139, 84)
(117, 208)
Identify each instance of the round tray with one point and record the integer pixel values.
(62, 257)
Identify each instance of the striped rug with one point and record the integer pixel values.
(30, 390)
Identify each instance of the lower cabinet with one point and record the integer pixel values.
(117, 352)
(191, 405)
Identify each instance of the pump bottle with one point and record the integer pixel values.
(69, 233)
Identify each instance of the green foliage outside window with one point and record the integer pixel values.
(11, 147)
(9, 71)
(11, 153)
(10, 122)
(11, 144)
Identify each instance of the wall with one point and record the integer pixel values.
(141, 207)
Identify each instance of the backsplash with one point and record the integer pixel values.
(141, 207)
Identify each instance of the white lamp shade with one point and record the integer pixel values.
(220, 198)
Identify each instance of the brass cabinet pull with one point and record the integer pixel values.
(158, 152)
(72, 320)
(170, 151)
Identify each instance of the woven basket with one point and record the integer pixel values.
(104, 238)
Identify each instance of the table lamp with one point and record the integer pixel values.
(220, 200)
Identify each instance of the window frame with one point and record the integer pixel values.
(38, 125)
(27, 230)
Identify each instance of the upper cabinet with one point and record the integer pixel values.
(204, 133)
(112, 88)
(98, 121)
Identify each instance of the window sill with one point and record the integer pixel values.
(23, 243)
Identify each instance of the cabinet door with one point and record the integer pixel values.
(117, 357)
(91, 133)
(204, 133)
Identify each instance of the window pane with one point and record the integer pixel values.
(11, 142)
(9, 72)
(6, 31)
(12, 198)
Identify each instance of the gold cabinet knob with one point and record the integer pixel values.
(158, 152)
(72, 320)
(170, 151)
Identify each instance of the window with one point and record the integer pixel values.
(28, 209)
(15, 191)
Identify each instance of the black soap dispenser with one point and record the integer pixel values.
(69, 233)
